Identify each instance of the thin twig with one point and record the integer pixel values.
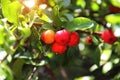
(88, 32)
(37, 24)
(4, 58)
(32, 74)
(64, 73)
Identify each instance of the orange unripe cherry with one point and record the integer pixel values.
(48, 36)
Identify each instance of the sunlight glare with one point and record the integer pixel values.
(29, 3)
(42, 6)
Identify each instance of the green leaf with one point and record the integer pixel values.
(106, 54)
(115, 3)
(56, 11)
(5, 72)
(48, 14)
(113, 18)
(93, 52)
(67, 3)
(94, 6)
(56, 16)
(17, 68)
(51, 2)
(96, 56)
(81, 3)
(2, 36)
(26, 32)
(10, 10)
(47, 26)
(62, 3)
(80, 23)
(69, 17)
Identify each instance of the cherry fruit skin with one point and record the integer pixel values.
(88, 40)
(114, 9)
(108, 36)
(48, 36)
(74, 39)
(62, 37)
(58, 48)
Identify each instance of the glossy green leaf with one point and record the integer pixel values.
(10, 10)
(81, 3)
(69, 17)
(80, 23)
(85, 77)
(106, 54)
(94, 6)
(116, 2)
(96, 56)
(107, 67)
(113, 18)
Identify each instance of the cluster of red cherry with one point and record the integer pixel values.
(60, 40)
(63, 38)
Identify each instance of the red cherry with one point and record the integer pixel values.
(108, 36)
(88, 40)
(58, 48)
(62, 37)
(74, 39)
(114, 9)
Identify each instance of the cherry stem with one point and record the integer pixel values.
(91, 33)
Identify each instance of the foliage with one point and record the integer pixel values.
(25, 56)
